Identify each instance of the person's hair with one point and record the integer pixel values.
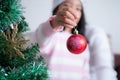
(81, 24)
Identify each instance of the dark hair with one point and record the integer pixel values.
(81, 24)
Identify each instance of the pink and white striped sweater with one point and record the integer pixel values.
(63, 65)
(95, 63)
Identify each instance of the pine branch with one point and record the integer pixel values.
(22, 25)
(30, 71)
(29, 54)
(10, 12)
(16, 61)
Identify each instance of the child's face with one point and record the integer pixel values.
(76, 5)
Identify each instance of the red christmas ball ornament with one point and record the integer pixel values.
(76, 43)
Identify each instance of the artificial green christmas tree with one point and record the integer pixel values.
(17, 62)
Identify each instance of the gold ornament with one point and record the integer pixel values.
(16, 42)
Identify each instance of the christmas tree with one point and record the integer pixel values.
(17, 62)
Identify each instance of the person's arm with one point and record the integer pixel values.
(45, 31)
(102, 57)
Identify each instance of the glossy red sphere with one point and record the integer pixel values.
(76, 43)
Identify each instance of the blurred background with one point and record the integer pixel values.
(100, 13)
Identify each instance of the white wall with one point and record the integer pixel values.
(36, 11)
(106, 14)
(103, 13)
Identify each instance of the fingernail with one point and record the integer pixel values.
(77, 16)
(75, 24)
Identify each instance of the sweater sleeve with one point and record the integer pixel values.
(45, 31)
(101, 56)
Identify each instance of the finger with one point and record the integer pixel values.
(65, 24)
(72, 12)
(66, 11)
(64, 18)
(67, 21)
(67, 14)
